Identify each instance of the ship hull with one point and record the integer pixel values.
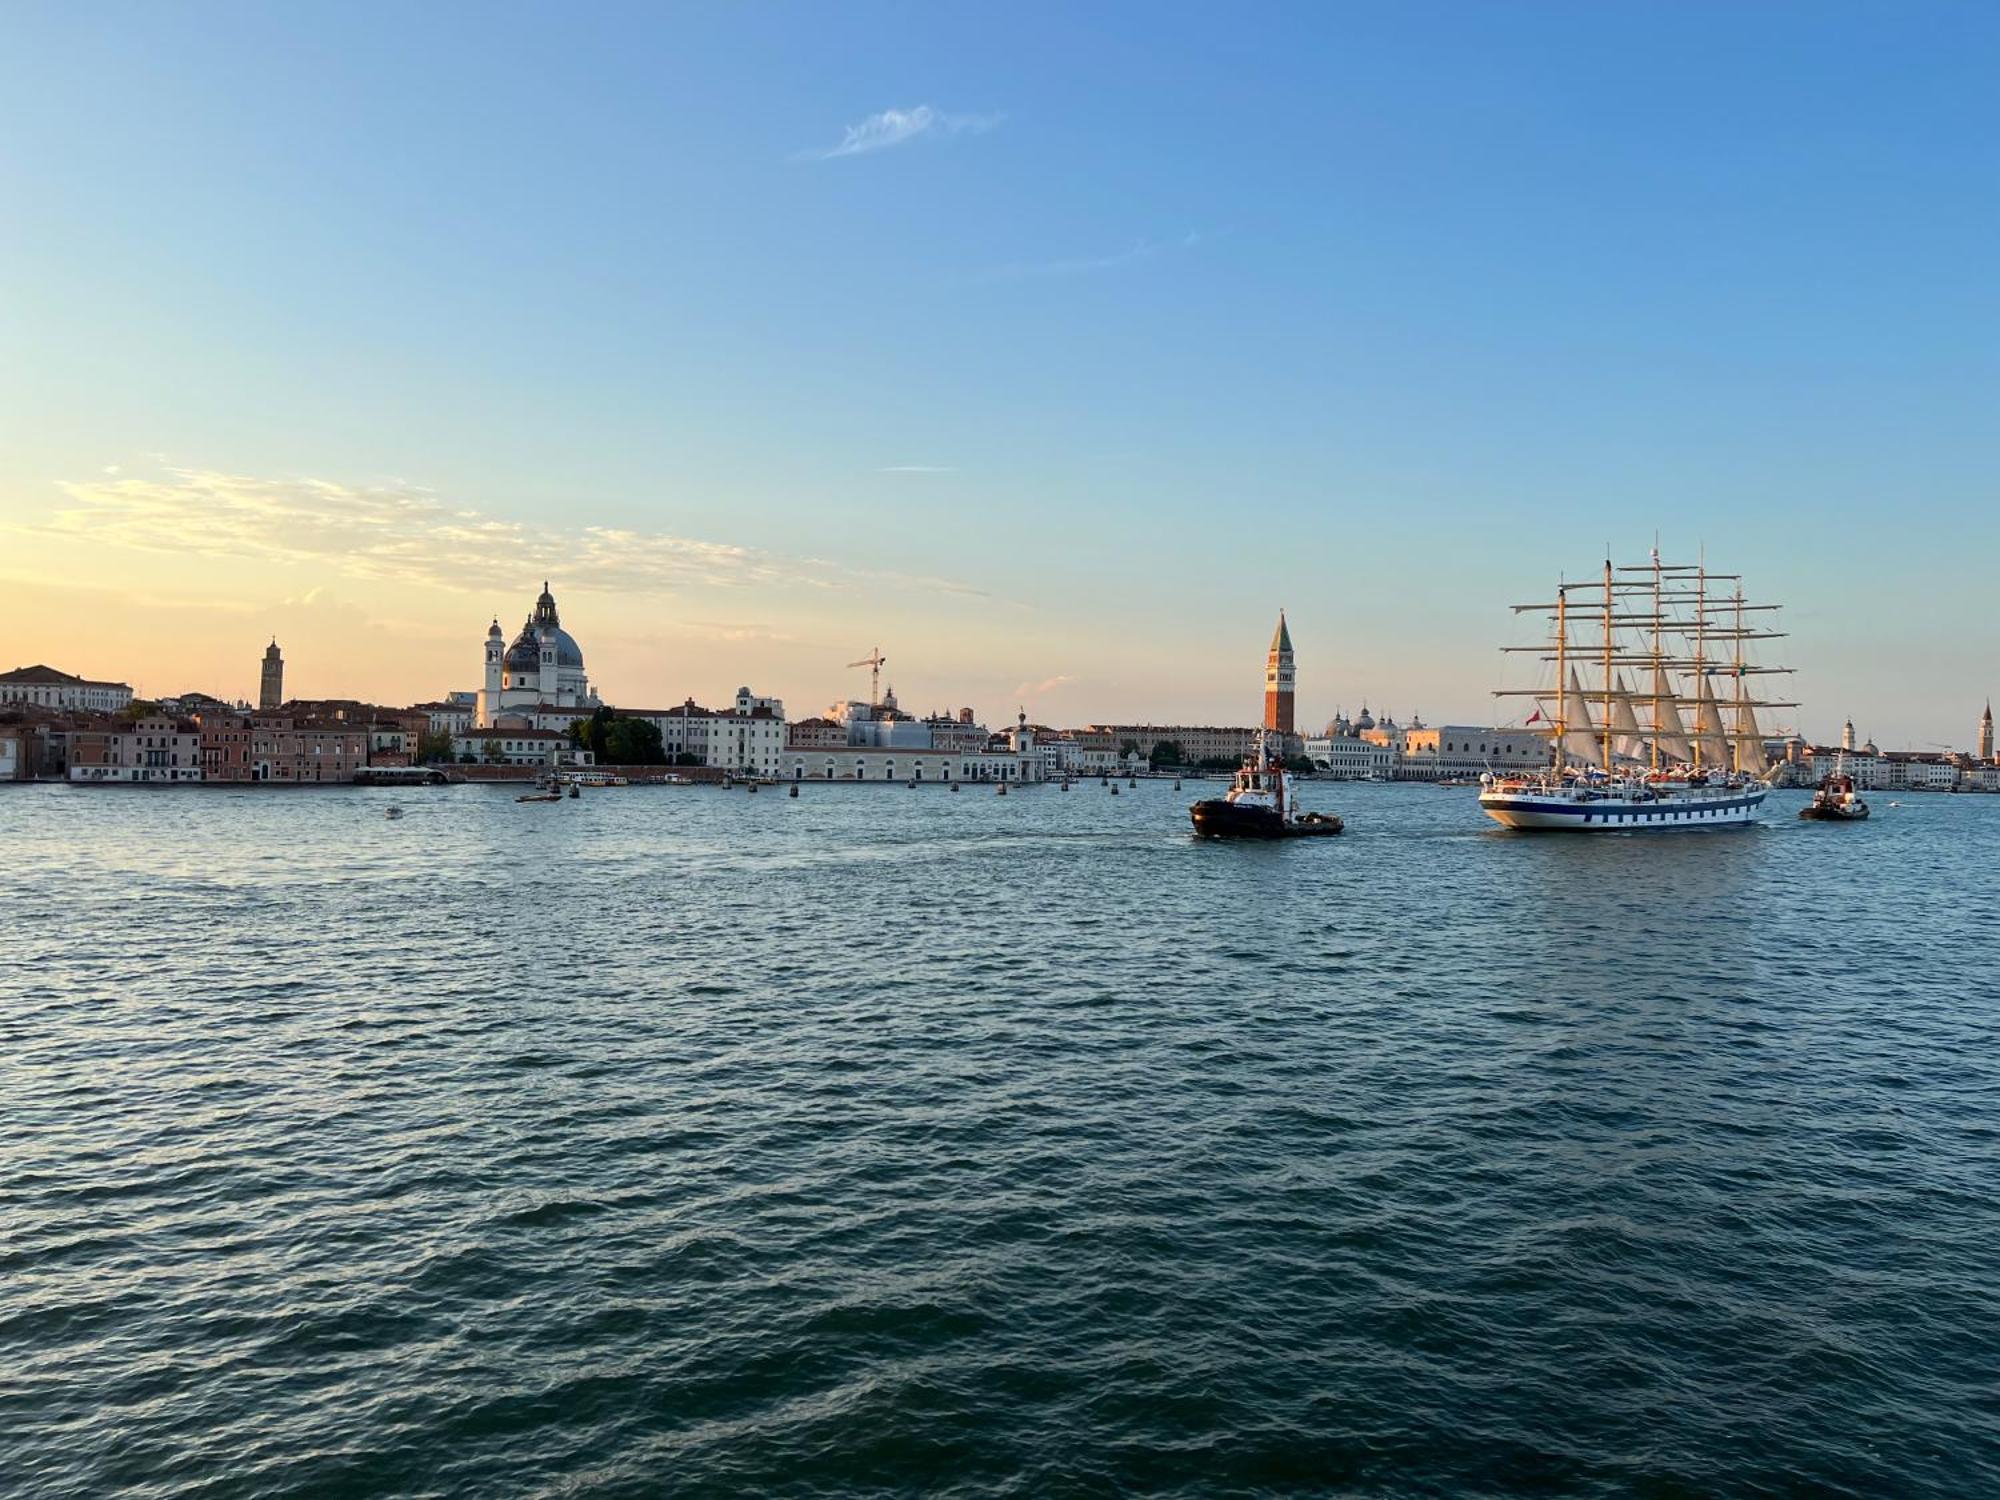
(1551, 813)
(1218, 819)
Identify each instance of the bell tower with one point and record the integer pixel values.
(489, 696)
(1280, 677)
(1986, 732)
(271, 685)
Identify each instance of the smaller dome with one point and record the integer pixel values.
(525, 655)
(493, 632)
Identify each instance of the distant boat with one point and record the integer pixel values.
(1620, 773)
(540, 797)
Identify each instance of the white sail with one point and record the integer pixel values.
(1709, 738)
(1581, 741)
(1667, 726)
(1749, 740)
(1625, 741)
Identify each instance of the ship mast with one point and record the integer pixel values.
(1607, 665)
(1700, 648)
(1562, 668)
(1654, 754)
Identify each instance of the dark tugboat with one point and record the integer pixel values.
(1835, 802)
(1260, 804)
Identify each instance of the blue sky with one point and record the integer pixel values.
(1170, 316)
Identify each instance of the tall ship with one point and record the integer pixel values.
(1649, 697)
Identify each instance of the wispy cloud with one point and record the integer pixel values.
(398, 532)
(894, 127)
(918, 469)
(1046, 685)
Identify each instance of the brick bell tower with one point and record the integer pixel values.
(1279, 679)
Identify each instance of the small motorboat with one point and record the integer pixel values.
(1260, 804)
(392, 812)
(540, 797)
(1836, 801)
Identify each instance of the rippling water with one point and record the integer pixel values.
(680, 1141)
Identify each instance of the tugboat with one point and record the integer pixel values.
(1835, 802)
(1260, 804)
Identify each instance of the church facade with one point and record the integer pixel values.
(543, 665)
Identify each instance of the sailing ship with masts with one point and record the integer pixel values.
(1650, 708)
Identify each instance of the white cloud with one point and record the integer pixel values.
(402, 533)
(893, 127)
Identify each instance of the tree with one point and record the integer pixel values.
(434, 745)
(492, 753)
(589, 734)
(1299, 765)
(1128, 749)
(632, 742)
(1165, 753)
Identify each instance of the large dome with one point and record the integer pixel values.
(568, 653)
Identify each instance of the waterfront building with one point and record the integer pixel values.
(1280, 681)
(958, 731)
(1461, 751)
(544, 665)
(748, 738)
(155, 749)
(1197, 742)
(271, 684)
(17, 752)
(1014, 756)
(45, 687)
(518, 747)
(816, 733)
(453, 715)
(284, 749)
(1348, 757)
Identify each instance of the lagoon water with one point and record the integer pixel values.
(889, 1141)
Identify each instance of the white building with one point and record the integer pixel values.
(747, 738)
(543, 666)
(1012, 757)
(518, 747)
(45, 687)
(1346, 757)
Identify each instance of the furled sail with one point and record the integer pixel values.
(1670, 732)
(1710, 741)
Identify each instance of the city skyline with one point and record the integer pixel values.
(1056, 370)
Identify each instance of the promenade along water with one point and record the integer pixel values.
(899, 1141)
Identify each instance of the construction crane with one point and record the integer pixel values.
(873, 661)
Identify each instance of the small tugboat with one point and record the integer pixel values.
(1836, 802)
(1260, 804)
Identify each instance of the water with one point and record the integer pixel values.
(680, 1141)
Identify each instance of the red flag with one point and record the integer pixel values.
(1535, 717)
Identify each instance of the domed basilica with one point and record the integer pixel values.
(543, 666)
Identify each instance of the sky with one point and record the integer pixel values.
(1050, 348)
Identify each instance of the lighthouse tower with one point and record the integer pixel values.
(1280, 677)
(1986, 732)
